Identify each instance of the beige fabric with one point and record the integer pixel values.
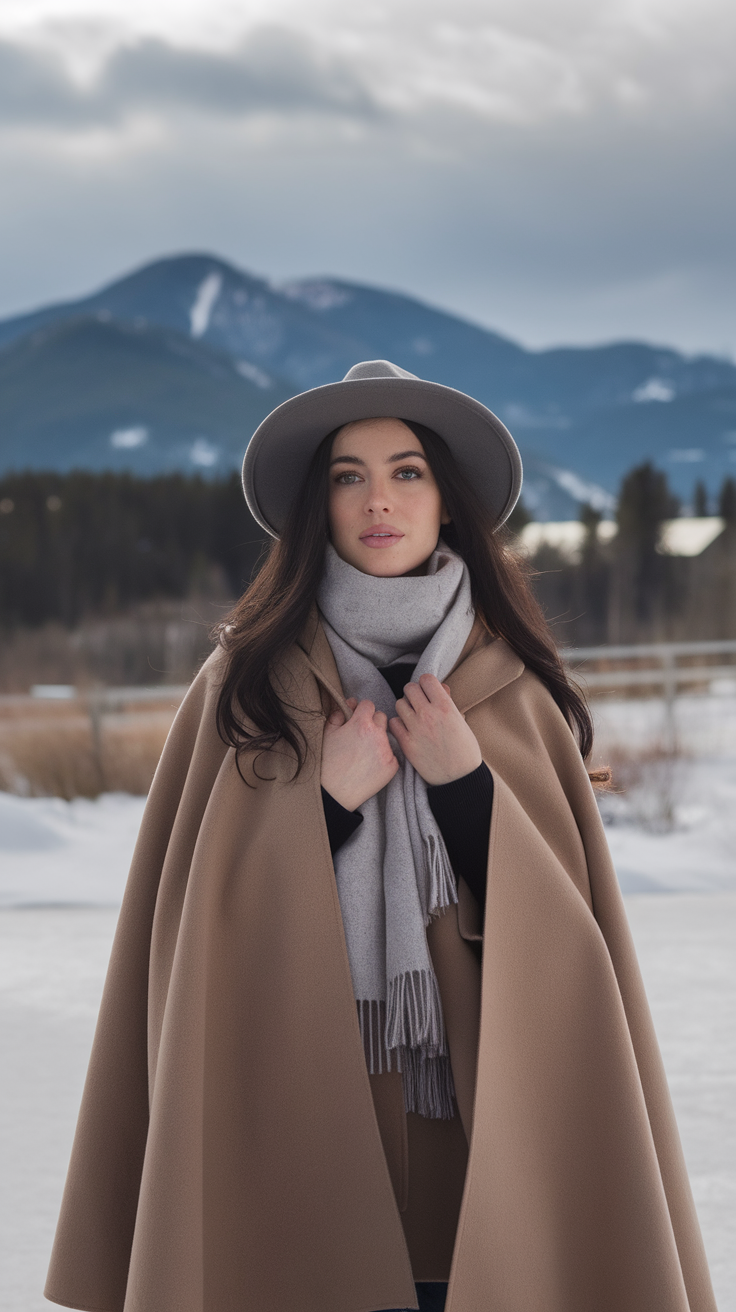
(260, 1182)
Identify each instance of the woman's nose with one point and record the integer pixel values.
(378, 501)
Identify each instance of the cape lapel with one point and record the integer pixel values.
(318, 655)
(483, 668)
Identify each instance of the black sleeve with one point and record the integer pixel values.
(462, 810)
(340, 823)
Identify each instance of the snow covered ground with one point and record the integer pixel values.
(55, 853)
(698, 853)
(62, 872)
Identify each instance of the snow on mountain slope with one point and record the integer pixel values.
(207, 293)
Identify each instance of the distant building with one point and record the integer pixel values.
(686, 536)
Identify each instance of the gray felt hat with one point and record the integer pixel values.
(281, 448)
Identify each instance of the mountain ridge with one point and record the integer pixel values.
(581, 415)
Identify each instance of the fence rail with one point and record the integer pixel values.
(657, 665)
(104, 699)
(636, 678)
(650, 650)
(670, 666)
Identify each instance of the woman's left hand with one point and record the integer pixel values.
(433, 734)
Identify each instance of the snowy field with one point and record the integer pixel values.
(63, 868)
(698, 854)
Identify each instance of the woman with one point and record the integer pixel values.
(373, 1019)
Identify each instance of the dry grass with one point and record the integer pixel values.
(51, 750)
(58, 756)
(159, 642)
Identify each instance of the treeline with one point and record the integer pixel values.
(627, 590)
(80, 544)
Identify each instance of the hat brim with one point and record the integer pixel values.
(278, 455)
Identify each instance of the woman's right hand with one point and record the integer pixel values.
(357, 758)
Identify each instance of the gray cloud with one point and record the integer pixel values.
(566, 180)
(34, 88)
(275, 70)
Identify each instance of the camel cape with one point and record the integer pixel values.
(232, 1152)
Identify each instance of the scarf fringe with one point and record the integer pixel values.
(414, 1013)
(441, 881)
(428, 1085)
(427, 1076)
(372, 1021)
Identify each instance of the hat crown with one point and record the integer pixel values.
(376, 369)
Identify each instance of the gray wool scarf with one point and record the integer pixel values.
(393, 874)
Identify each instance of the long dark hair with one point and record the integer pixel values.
(273, 611)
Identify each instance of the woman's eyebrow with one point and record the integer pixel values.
(400, 455)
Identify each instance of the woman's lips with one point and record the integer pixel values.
(381, 535)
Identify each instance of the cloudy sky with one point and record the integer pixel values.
(561, 170)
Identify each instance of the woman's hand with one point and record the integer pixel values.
(357, 758)
(433, 734)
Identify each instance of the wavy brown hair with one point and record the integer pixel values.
(273, 611)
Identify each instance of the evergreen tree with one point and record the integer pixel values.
(590, 519)
(700, 499)
(727, 500)
(644, 503)
(591, 594)
(83, 544)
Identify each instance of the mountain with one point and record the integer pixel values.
(191, 349)
(103, 394)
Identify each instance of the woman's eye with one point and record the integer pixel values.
(408, 473)
(347, 478)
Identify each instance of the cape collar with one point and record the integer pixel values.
(484, 667)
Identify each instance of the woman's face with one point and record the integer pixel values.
(385, 509)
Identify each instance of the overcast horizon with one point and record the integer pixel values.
(562, 176)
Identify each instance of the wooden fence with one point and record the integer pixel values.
(641, 670)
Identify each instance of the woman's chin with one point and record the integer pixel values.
(386, 564)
